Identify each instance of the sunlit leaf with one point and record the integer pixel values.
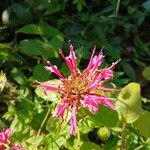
(51, 95)
(143, 124)
(129, 104)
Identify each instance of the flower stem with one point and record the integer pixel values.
(123, 134)
(42, 124)
(117, 7)
(78, 139)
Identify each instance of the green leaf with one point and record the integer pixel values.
(37, 47)
(40, 73)
(146, 5)
(113, 52)
(32, 47)
(129, 70)
(7, 55)
(143, 124)
(105, 117)
(30, 29)
(90, 146)
(146, 73)
(49, 31)
(51, 95)
(129, 102)
(35, 140)
(25, 110)
(54, 143)
(18, 76)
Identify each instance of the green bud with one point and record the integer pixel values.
(104, 133)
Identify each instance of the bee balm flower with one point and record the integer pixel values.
(4, 138)
(79, 89)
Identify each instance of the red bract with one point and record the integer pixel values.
(80, 89)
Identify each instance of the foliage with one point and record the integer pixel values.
(33, 31)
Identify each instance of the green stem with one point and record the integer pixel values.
(117, 7)
(78, 139)
(123, 135)
(42, 124)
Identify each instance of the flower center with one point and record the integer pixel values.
(75, 88)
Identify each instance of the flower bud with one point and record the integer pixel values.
(104, 133)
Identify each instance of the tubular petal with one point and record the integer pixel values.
(60, 110)
(73, 123)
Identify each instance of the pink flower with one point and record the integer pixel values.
(17, 148)
(4, 138)
(80, 89)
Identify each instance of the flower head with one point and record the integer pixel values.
(80, 89)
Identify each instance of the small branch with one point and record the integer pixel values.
(123, 134)
(42, 124)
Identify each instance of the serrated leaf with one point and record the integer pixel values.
(130, 102)
(143, 124)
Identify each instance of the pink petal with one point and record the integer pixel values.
(8, 133)
(2, 138)
(106, 73)
(60, 110)
(97, 60)
(68, 62)
(94, 62)
(105, 101)
(105, 89)
(73, 58)
(90, 62)
(91, 104)
(54, 69)
(18, 148)
(102, 100)
(73, 123)
(47, 87)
